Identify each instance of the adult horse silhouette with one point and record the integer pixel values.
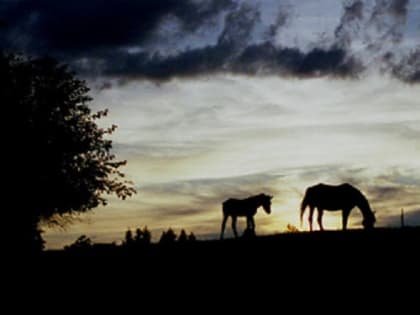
(342, 197)
(244, 208)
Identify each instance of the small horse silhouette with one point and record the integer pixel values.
(244, 208)
(342, 197)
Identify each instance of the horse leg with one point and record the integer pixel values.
(311, 214)
(346, 213)
(250, 224)
(319, 219)
(234, 226)
(225, 217)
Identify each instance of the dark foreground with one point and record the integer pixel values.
(357, 248)
(303, 270)
(325, 263)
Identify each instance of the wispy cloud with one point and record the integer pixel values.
(411, 218)
(210, 192)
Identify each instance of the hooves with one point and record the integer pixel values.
(249, 233)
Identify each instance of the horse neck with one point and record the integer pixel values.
(364, 207)
(256, 200)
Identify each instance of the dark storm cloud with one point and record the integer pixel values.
(93, 37)
(386, 18)
(353, 13)
(234, 53)
(282, 18)
(141, 65)
(408, 69)
(267, 59)
(82, 27)
(255, 59)
(377, 27)
(396, 8)
(121, 38)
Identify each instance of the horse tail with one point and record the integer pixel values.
(305, 203)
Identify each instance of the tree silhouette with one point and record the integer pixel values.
(61, 159)
(143, 236)
(182, 238)
(147, 236)
(191, 237)
(128, 240)
(168, 237)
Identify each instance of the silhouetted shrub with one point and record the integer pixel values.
(290, 228)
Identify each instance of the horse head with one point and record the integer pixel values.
(369, 221)
(266, 202)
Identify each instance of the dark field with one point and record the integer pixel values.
(374, 247)
(325, 263)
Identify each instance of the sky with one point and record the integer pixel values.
(231, 98)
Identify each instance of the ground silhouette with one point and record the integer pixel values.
(339, 252)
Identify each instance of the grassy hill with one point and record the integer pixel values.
(290, 260)
(373, 244)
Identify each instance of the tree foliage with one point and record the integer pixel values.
(168, 237)
(60, 156)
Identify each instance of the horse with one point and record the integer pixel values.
(342, 197)
(244, 208)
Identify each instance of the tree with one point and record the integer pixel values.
(191, 237)
(143, 236)
(182, 238)
(61, 159)
(128, 240)
(147, 236)
(167, 237)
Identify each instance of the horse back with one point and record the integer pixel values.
(331, 197)
(238, 207)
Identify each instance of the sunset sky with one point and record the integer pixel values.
(230, 98)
